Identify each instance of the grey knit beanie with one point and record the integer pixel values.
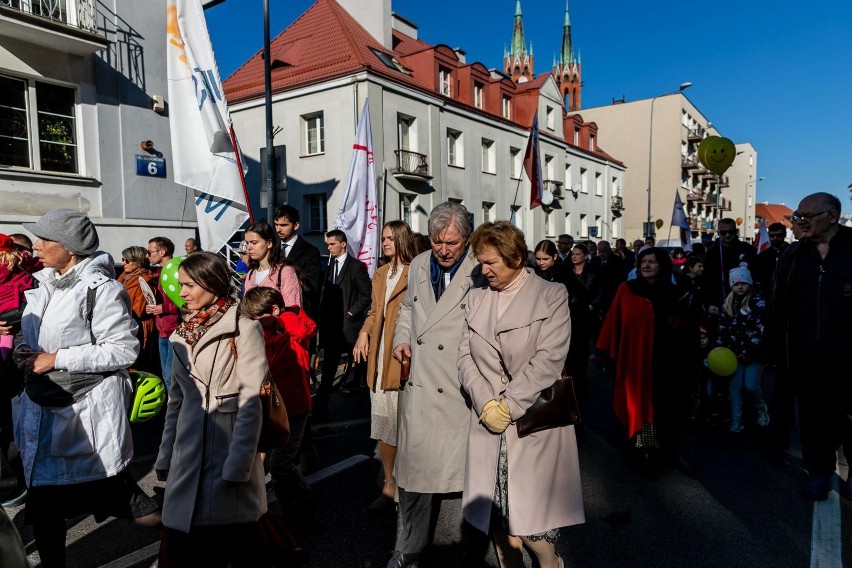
(69, 228)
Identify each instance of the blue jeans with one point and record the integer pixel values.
(166, 357)
(748, 377)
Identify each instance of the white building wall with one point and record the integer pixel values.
(113, 115)
(341, 100)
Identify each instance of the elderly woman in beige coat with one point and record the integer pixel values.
(208, 456)
(518, 490)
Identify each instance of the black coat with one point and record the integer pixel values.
(351, 295)
(306, 257)
(718, 262)
(811, 304)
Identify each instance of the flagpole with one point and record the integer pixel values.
(240, 169)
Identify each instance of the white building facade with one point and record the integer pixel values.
(79, 81)
(430, 145)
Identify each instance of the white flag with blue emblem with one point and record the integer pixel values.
(202, 137)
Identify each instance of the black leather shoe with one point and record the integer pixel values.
(402, 560)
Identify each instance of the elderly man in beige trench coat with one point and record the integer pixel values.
(433, 415)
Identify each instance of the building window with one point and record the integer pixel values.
(591, 142)
(568, 182)
(315, 204)
(549, 168)
(515, 163)
(598, 184)
(548, 223)
(616, 234)
(596, 228)
(313, 133)
(55, 121)
(478, 96)
(551, 119)
(488, 158)
(584, 180)
(615, 188)
(516, 216)
(487, 212)
(568, 223)
(584, 227)
(455, 148)
(445, 79)
(507, 107)
(407, 136)
(576, 136)
(405, 204)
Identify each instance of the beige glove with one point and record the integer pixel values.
(495, 416)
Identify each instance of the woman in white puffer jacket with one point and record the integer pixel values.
(71, 421)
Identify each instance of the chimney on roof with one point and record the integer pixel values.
(460, 53)
(374, 16)
(402, 25)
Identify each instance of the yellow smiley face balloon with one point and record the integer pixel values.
(717, 154)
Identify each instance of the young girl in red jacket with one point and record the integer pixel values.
(287, 332)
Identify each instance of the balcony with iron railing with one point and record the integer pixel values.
(723, 181)
(411, 165)
(689, 162)
(617, 203)
(693, 135)
(62, 25)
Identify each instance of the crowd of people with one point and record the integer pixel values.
(455, 340)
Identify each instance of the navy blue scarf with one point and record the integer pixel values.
(436, 273)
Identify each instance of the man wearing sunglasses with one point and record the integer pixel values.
(810, 336)
(767, 261)
(727, 252)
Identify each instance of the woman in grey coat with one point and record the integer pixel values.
(208, 456)
(518, 490)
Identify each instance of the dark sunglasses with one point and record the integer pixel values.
(806, 217)
(727, 232)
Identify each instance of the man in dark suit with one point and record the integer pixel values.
(303, 254)
(346, 296)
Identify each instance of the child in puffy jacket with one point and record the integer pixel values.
(741, 331)
(287, 333)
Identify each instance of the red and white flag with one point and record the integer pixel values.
(358, 214)
(203, 149)
(680, 221)
(532, 165)
(762, 237)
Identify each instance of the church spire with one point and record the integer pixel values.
(567, 55)
(518, 62)
(567, 71)
(519, 46)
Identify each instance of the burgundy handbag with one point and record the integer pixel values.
(556, 406)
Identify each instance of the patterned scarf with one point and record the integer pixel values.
(196, 323)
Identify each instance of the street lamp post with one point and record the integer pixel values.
(683, 87)
(752, 183)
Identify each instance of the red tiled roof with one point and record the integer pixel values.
(773, 213)
(321, 44)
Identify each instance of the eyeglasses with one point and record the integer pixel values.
(150, 252)
(125, 261)
(806, 217)
(727, 232)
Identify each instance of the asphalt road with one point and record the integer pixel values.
(724, 504)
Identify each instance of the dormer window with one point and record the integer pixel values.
(507, 107)
(478, 95)
(444, 81)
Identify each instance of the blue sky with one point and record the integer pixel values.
(774, 73)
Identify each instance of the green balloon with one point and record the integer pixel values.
(717, 154)
(722, 361)
(659, 224)
(169, 280)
